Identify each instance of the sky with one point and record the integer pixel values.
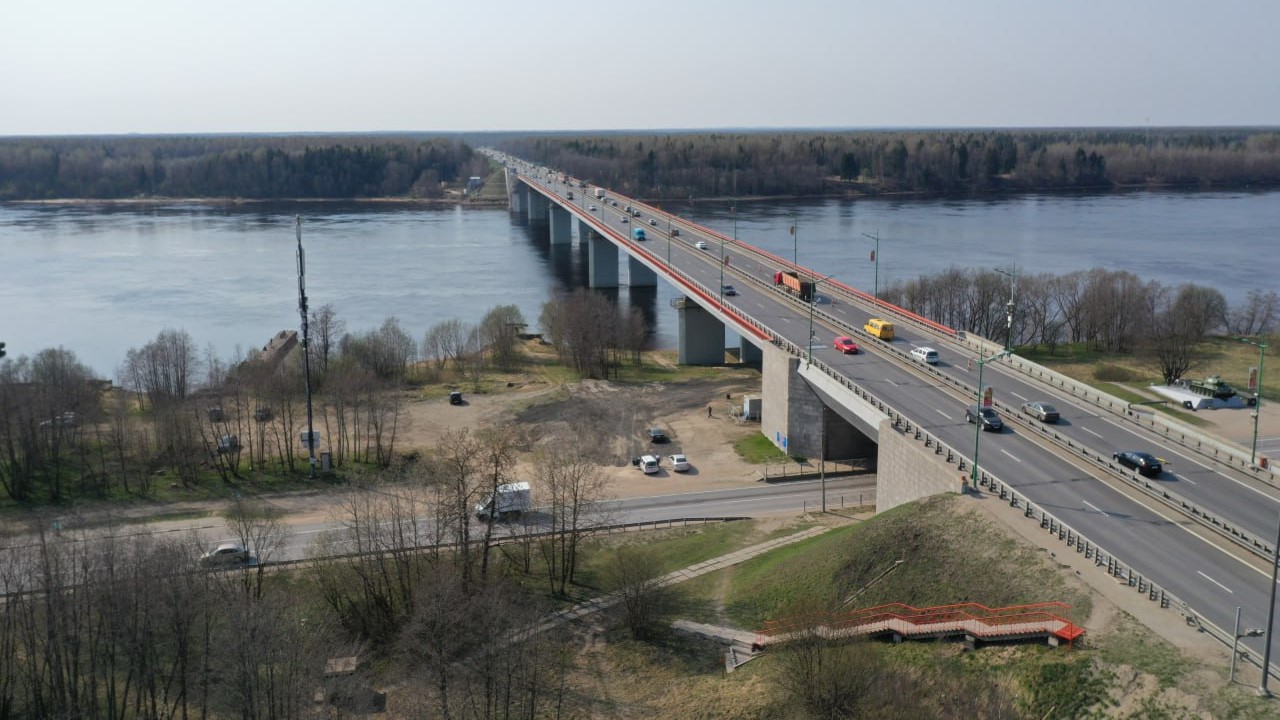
(236, 66)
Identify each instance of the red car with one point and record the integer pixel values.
(846, 345)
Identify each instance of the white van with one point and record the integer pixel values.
(925, 355)
(649, 464)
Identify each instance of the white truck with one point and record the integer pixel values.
(599, 193)
(508, 500)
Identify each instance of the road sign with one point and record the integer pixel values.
(315, 439)
(1253, 377)
(986, 396)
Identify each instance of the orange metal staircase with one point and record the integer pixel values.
(1017, 622)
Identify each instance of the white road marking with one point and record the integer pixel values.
(943, 414)
(1185, 479)
(1018, 396)
(1090, 431)
(892, 382)
(1215, 582)
(1097, 509)
(1006, 452)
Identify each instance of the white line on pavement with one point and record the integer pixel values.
(1018, 396)
(1096, 508)
(1006, 452)
(1090, 431)
(1215, 582)
(942, 414)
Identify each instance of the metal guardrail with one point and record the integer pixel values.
(951, 456)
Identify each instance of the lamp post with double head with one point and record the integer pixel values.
(875, 258)
(813, 300)
(1256, 381)
(977, 422)
(1012, 274)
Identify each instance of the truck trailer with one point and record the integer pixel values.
(638, 234)
(794, 285)
(599, 193)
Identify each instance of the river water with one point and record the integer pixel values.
(101, 280)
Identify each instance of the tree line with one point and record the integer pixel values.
(745, 164)
(189, 415)
(1112, 310)
(253, 167)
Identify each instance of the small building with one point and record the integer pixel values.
(473, 183)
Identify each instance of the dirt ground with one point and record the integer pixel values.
(611, 421)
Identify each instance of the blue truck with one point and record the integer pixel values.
(637, 234)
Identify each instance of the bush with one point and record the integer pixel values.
(1115, 373)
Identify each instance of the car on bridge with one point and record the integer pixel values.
(987, 416)
(701, 244)
(1042, 411)
(1144, 463)
(846, 345)
(729, 290)
(925, 355)
(594, 208)
(652, 221)
(624, 219)
(675, 232)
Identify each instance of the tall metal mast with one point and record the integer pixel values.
(306, 354)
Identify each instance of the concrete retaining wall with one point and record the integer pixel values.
(907, 471)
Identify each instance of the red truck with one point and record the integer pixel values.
(791, 280)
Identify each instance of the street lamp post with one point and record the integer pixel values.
(1012, 274)
(813, 299)
(1257, 396)
(1235, 644)
(795, 242)
(1271, 617)
(875, 288)
(977, 424)
(722, 255)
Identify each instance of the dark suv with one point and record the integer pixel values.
(1144, 463)
(990, 420)
(657, 435)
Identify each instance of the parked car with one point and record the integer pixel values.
(1042, 411)
(728, 290)
(648, 463)
(225, 555)
(679, 462)
(701, 244)
(1145, 463)
(990, 420)
(846, 345)
(657, 435)
(455, 397)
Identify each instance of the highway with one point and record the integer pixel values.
(1163, 544)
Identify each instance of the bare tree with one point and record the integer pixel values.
(500, 333)
(1257, 315)
(326, 329)
(574, 495)
(634, 575)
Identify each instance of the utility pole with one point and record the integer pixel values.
(306, 354)
(1012, 274)
(875, 257)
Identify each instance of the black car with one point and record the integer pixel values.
(1042, 411)
(455, 398)
(990, 420)
(656, 435)
(1145, 463)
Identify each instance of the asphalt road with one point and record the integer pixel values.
(1156, 542)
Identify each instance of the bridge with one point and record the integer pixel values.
(1198, 540)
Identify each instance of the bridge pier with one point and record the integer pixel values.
(537, 207)
(602, 262)
(803, 417)
(748, 352)
(561, 226)
(519, 199)
(701, 334)
(584, 231)
(639, 274)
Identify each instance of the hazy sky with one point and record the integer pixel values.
(174, 66)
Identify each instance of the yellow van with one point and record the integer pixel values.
(882, 329)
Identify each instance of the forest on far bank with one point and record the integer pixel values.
(673, 165)
(260, 167)
(808, 163)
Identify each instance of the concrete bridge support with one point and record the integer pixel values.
(602, 262)
(584, 231)
(537, 207)
(639, 274)
(748, 352)
(701, 335)
(561, 226)
(804, 416)
(520, 199)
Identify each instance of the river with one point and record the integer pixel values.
(99, 280)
